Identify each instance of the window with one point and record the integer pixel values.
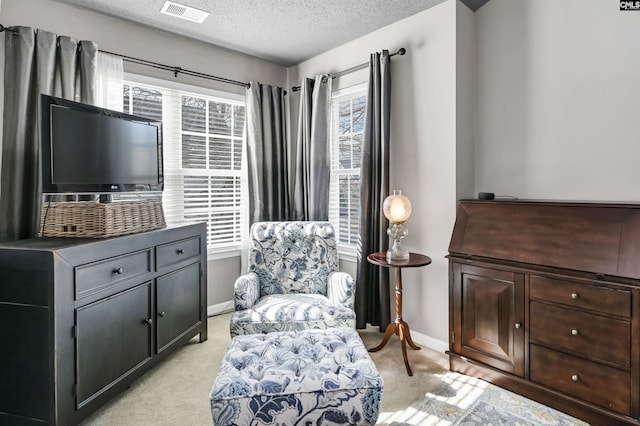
(348, 107)
(202, 149)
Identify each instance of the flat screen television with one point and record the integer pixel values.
(90, 150)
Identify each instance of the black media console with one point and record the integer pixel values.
(81, 319)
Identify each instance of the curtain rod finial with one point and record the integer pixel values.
(402, 51)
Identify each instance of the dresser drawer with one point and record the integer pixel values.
(584, 296)
(170, 254)
(595, 337)
(94, 277)
(605, 386)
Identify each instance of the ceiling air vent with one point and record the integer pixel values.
(184, 12)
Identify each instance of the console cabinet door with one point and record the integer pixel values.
(113, 339)
(488, 316)
(178, 304)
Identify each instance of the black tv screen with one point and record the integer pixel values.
(87, 149)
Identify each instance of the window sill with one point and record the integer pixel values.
(347, 253)
(223, 253)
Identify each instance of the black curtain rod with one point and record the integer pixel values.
(400, 52)
(177, 70)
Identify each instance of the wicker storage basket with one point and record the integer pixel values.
(88, 219)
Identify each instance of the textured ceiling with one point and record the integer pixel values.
(286, 32)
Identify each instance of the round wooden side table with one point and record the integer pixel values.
(399, 327)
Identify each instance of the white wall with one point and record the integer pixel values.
(558, 100)
(423, 144)
(138, 41)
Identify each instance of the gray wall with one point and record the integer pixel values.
(558, 100)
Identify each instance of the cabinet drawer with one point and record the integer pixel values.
(585, 296)
(595, 337)
(170, 254)
(605, 386)
(97, 276)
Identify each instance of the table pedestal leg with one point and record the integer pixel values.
(398, 327)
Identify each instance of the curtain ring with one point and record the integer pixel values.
(325, 78)
(176, 70)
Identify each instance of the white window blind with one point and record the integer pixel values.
(202, 154)
(348, 107)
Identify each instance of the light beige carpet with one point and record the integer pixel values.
(176, 392)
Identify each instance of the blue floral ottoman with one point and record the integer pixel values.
(297, 378)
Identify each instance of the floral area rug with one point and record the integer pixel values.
(466, 401)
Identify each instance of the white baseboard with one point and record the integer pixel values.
(220, 308)
(429, 342)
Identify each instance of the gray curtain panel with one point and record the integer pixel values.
(35, 62)
(372, 302)
(267, 154)
(313, 162)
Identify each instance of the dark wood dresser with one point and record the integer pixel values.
(545, 301)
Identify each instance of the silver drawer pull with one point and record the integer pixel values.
(149, 321)
(574, 332)
(575, 378)
(161, 314)
(118, 271)
(574, 295)
(518, 325)
(180, 251)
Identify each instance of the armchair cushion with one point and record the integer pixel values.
(291, 312)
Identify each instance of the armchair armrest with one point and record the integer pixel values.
(341, 289)
(246, 291)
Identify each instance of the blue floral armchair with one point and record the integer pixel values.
(293, 281)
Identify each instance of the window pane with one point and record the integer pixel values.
(193, 152)
(343, 203)
(147, 103)
(224, 189)
(359, 109)
(220, 154)
(220, 118)
(196, 196)
(237, 154)
(344, 117)
(357, 150)
(193, 114)
(126, 97)
(345, 153)
(143, 102)
(238, 120)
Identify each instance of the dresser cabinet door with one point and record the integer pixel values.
(488, 316)
(113, 338)
(178, 304)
